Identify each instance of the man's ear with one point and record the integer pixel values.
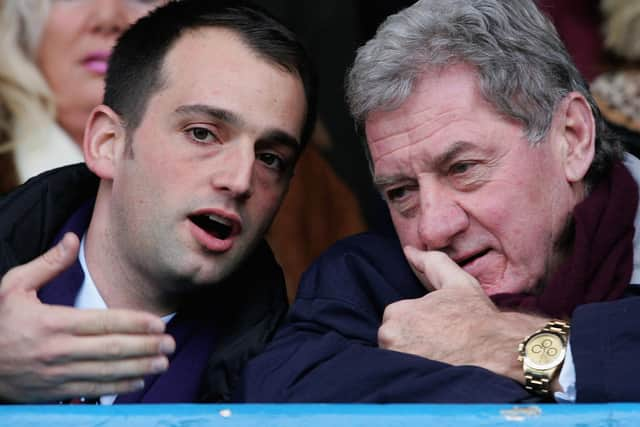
(104, 141)
(577, 128)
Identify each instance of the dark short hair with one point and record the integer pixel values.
(135, 66)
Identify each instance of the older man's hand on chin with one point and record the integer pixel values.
(455, 323)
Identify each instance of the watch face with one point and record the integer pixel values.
(544, 351)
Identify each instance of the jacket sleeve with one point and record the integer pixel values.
(605, 342)
(327, 351)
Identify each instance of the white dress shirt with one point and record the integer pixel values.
(89, 298)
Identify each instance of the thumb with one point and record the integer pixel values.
(437, 271)
(34, 274)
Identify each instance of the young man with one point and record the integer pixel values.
(515, 215)
(207, 106)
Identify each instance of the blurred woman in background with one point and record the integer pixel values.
(54, 58)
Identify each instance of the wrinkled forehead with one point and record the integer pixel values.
(438, 98)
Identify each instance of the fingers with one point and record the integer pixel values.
(103, 335)
(107, 347)
(104, 322)
(436, 270)
(106, 371)
(32, 275)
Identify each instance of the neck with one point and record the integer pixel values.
(74, 127)
(121, 283)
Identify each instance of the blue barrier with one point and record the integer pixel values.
(316, 415)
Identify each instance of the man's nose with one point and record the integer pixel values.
(441, 218)
(234, 172)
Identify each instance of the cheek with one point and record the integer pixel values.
(265, 202)
(48, 59)
(54, 59)
(271, 198)
(522, 229)
(57, 36)
(516, 219)
(406, 229)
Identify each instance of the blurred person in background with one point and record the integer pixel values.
(617, 87)
(52, 74)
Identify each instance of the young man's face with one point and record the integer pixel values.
(210, 162)
(462, 179)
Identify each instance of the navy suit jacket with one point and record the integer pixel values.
(327, 351)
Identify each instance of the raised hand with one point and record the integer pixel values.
(52, 353)
(456, 323)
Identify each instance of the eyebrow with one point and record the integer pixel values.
(382, 181)
(452, 152)
(282, 138)
(274, 135)
(212, 112)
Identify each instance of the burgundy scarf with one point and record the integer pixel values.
(600, 262)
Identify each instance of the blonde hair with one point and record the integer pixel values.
(26, 101)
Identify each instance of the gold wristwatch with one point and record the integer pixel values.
(541, 353)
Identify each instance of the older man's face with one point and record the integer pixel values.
(462, 179)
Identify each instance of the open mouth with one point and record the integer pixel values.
(219, 227)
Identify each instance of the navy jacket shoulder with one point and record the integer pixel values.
(32, 214)
(605, 344)
(327, 350)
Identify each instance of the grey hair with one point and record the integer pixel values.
(523, 68)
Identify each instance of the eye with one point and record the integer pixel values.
(201, 135)
(272, 161)
(460, 167)
(397, 193)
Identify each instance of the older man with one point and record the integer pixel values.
(207, 106)
(515, 215)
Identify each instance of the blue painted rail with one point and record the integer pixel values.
(316, 415)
